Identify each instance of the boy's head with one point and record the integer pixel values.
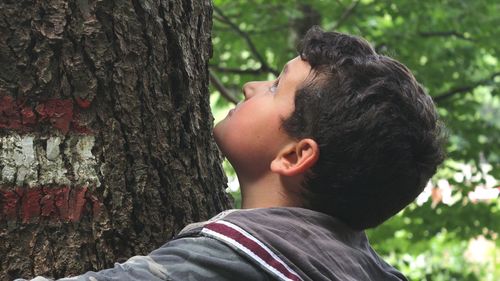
(366, 130)
(376, 128)
(252, 134)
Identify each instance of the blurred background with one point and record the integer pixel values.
(451, 231)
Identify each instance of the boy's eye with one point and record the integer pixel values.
(273, 87)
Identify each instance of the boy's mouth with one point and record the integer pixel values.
(232, 110)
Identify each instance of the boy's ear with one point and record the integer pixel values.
(296, 158)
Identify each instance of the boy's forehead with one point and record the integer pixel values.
(295, 62)
(297, 69)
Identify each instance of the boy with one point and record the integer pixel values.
(342, 140)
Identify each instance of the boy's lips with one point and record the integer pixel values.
(234, 109)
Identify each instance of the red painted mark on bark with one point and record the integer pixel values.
(28, 116)
(9, 113)
(60, 114)
(56, 204)
(31, 204)
(83, 103)
(77, 205)
(11, 202)
(61, 202)
(47, 206)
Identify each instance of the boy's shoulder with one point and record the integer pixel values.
(297, 243)
(273, 219)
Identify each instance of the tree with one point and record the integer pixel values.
(453, 50)
(105, 131)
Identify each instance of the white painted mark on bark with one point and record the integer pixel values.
(83, 161)
(52, 168)
(25, 160)
(17, 160)
(53, 148)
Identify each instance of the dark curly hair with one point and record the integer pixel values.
(378, 132)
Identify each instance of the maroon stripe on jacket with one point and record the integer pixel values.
(251, 245)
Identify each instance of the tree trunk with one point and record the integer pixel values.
(105, 131)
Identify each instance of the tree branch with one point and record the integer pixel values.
(237, 70)
(464, 89)
(255, 31)
(346, 14)
(248, 40)
(444, 34)
(223, 91)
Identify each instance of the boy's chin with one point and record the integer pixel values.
(216, 133)
(219, 146)
(218, 139)
(219, 133)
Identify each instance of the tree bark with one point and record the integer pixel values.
(106, 145)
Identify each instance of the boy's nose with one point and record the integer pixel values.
(250, 89)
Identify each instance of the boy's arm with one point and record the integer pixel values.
(184, 259)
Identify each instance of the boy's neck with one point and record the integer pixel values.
(268, 191)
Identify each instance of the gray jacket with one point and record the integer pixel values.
(258, 244)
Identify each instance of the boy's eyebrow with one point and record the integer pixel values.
(285, 68)
(283, 72)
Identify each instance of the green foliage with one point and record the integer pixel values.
(452, 48)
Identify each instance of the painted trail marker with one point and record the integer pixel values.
(46, 176)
